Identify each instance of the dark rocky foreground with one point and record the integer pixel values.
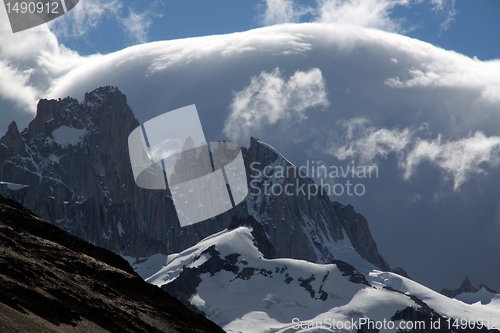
(52, 281)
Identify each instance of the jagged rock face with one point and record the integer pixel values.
(311, 220)
(75, 159)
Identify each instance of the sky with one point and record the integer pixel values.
(410, 86)
(463, 26)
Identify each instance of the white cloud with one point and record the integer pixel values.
(283, 11)
(449, 7)
(367, 143)
(269, 98)
(137, 25)
(461, 158)
(364, 13)
(438, 68)
(29, 61)
(14, 87)
(86, 15)
(273, 101)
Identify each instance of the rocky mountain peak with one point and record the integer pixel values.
(51, 114)
(74, 157)
(319, 225)
(12, 140)
(13, 129)
(466, 287)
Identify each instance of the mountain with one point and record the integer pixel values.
(74, 160)
(467, 293)
(52, 281)
(284, 258)
(234, 278)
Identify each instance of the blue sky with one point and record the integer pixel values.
(473, 31)
(367, 94)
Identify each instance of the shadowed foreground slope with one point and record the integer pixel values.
(52, 281)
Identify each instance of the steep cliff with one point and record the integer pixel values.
(74, 157)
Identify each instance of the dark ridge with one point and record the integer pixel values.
(433, 321)
(465, 287)
(306, 284)
(349, 270)
(189, 279)
(53, 281)
(46, 230)
(482, 285)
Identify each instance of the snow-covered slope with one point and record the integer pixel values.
(228, 277)
(482, 296)
(147, 266)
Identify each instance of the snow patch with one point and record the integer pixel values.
(120, 229)
(197, 301)
(147, 266)
(13, 186)
(65, 136)
(275, 151)
(54, 158)
(483, 296)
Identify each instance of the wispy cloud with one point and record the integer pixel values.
(270, 98)
(366, 13)
(85, 16)
(367, 143)
(459, 159)
(137, 25)
(448, 8)
(449, 20)
(15, 88)
(283, 11)
(89, 14)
